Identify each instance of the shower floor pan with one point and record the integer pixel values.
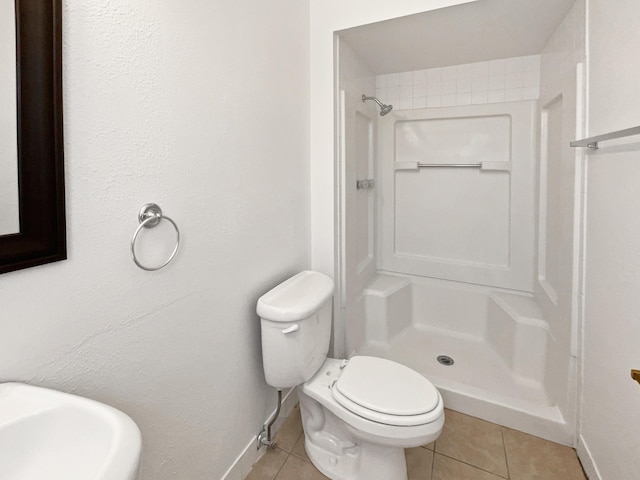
(479, 383)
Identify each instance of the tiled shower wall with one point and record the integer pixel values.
(497, 81)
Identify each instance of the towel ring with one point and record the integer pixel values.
(149, 216)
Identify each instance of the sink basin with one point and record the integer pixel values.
(50, 435)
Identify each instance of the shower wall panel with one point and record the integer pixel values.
(357, 127)
(469, 224)
(357, 149)
(364, 126)
(552, 186)
(437, 210)
(560, 179)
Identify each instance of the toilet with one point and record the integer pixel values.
(359, 414)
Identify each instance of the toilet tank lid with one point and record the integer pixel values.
(297, 298)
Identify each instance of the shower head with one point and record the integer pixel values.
(384, 109)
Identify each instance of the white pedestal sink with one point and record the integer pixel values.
(50, 435)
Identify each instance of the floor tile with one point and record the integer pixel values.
(534, 458)
(290, 431)
(468, 449)
(419, 463)
(298, 449)
(268, 466)
(297, 469)
(446, 468)
(473, 441)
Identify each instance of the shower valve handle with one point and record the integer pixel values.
(366, 184)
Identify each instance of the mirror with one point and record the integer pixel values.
(9, 215)
(31, 148)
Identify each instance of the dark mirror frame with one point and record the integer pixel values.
(42, 236)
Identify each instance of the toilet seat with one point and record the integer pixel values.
(321, 389)
(386, 392)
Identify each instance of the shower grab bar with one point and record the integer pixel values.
(499, 166)
(453, 165)
(592, 142)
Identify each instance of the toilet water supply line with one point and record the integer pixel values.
(264, 437)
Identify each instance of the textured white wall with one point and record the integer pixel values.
(611, 400)
(202, 108)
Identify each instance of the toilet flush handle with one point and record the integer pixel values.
(291, 329)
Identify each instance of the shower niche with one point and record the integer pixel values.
(472, 206)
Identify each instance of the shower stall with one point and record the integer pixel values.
(460, 202)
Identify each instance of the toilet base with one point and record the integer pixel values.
(371, 462)
(342, 452)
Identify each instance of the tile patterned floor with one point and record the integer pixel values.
(467, 449)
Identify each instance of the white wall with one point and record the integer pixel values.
(201, 108)
(9, 220)
(611, 400)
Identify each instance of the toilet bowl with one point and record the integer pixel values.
(358, 415)
(358, 424)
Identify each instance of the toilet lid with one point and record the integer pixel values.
(370, 386)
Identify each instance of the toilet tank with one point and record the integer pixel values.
(295, 320)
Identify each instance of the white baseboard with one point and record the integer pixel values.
(250, 455)
(588, 463)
